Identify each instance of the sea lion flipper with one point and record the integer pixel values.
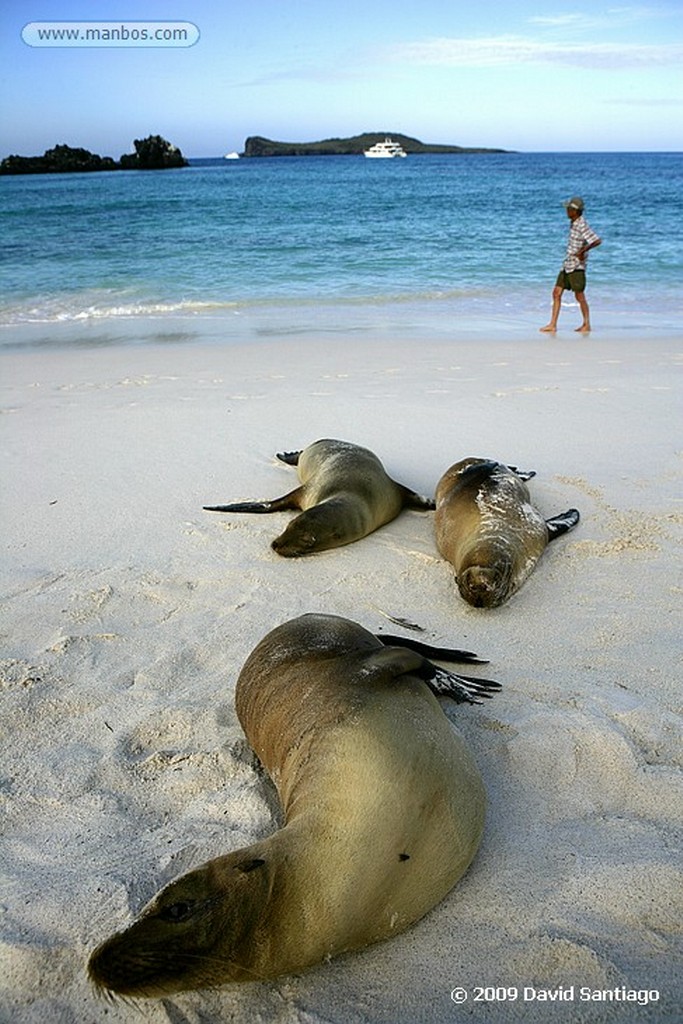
(523, 474)
(400, 661)
(291, 458)
(287, 501)
(461, 689)
(411, 499)
(437, 653)
(395, 661)
(562, 523)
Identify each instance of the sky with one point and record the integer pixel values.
(535, 75)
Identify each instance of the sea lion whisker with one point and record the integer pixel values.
(209, 958)
(114, 998)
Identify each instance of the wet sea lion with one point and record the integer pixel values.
(383, 809)
(345, 494)
(489, 531)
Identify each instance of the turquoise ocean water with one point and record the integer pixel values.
(337, 243)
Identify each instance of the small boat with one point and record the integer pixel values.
(231, 156)
(385, 150)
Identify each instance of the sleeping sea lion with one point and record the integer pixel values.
(383, 809)
(489, 531)
(345, 494)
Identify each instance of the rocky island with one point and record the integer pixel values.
(256, 145)
(152, 153)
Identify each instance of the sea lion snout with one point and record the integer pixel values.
(296, 540)
(293, 547)
(483, 586)
(328, 525)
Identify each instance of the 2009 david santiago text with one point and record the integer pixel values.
(561, 994)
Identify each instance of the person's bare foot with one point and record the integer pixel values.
(548, 329)
(583, 329)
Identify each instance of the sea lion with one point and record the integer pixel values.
(383, 810)
(489, 531)
(345, 494)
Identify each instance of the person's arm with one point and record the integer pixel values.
(592, 242)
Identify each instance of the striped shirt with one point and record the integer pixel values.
(580, 234)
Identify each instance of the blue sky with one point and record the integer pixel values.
(533, 75)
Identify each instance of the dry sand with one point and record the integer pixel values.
(128, 611)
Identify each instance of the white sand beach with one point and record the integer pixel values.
(127, 612)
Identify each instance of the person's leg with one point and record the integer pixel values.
(585, 313)
(551, 326)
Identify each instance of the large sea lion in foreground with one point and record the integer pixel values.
(345, 494)
(489, 531)
(383, 808)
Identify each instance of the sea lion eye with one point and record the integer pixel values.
(251, 865)
(177, 912)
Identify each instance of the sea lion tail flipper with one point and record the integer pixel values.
(395, 661)
(438, 653)
(411, 499)
(287, 501)
(461, 689)
(291, 458)
(401, 661)
(523, 474)
(562, 523)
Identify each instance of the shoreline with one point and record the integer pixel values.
(128, 612)
(300, 319)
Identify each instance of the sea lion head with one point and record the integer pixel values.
(316, 529)
(192, 934)
(485, 586)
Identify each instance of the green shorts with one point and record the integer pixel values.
(574, 281)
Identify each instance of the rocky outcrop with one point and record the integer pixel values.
(152, 153)
(58, 160)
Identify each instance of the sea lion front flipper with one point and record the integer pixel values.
(287, 501)
(411, 499)
(562, 523)
(291, 458)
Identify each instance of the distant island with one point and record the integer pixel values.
(155, 153)
(256, 146)
(151, 154)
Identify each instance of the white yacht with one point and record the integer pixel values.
(231, 156)
(386, 149)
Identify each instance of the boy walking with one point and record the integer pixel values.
(573, 274)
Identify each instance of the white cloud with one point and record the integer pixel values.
(611, 17)
(508, 50)
(558, 20)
